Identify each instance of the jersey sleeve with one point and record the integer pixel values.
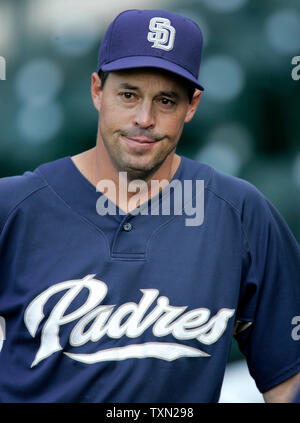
(14, 190)
(269, 300)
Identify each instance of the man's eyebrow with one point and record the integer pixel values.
(128, 86)
(172, 94)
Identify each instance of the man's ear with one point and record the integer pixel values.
(96, 90)
(192, 107)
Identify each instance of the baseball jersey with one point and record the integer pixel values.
(137, 307)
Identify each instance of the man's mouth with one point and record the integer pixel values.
(140, 142)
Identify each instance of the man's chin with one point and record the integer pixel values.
(138, 170)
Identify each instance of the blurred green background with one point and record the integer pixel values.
(247, 123)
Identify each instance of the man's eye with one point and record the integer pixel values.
(167, 102)
(127, 95)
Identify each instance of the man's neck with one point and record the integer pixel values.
(95, 169)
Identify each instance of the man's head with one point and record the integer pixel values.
(146, 88)
(153, 38)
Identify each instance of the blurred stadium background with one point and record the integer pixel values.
(248, 120)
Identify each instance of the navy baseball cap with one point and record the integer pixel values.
(153, 38)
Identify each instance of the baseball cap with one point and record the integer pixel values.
(153, 38)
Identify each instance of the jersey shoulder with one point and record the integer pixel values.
(15, 189)
(236, 192)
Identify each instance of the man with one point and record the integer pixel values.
(115, 288)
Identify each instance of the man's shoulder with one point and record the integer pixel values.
(15, 189)
(235, 191)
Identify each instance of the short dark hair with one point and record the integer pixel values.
(103, 76)
(189, 87)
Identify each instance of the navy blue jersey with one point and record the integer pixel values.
(141, 307)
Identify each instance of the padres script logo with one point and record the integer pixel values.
(106, 320)
(162, 33)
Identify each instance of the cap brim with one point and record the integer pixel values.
(150, 62)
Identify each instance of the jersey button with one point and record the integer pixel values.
(127, 226)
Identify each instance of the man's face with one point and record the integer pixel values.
(142, 114)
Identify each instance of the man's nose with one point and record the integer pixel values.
(144, 116)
